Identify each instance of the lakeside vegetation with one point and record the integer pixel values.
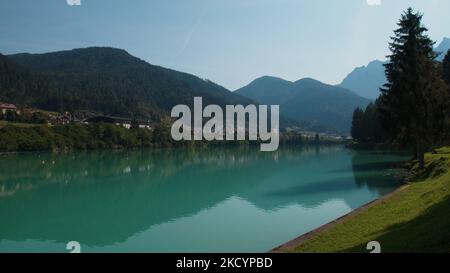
(19, 137)
(414, 219)
(71, 137)
(413, 110)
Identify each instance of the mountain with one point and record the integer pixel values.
(262, 90)
(367, 80)
(307, 100)
(18, 85)
(443, 48)
(113, 82)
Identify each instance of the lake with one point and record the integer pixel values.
(182, 200)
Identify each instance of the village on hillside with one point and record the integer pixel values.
(11, 114)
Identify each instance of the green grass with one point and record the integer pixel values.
(47, 112)
(414, 219)
(23, 125)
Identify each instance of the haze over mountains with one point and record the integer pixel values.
(331, 106)
(110, 81)
(367, 80)
(113, 82)
(307, 100)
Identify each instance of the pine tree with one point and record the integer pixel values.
(412, 100)
(446, 68)
(357, 124)
(446, 77)
(366, 125)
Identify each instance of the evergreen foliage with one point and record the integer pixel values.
(103, 80)
(414, 101)
(73, 137)
(366, 125)
(446, 68)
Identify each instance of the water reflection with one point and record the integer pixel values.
(377, 170)
(103, 198)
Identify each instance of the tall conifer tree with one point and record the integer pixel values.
(412, 102)
(446, 68)
(446, 77)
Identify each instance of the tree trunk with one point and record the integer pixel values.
(415, 151)
(420, 152)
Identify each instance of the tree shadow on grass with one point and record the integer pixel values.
(435, 169)
(428, 233)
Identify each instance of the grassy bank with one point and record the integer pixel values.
(16, 124)
(414, 219)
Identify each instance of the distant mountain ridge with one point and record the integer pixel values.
(307, 100)
(367, 80)
(111, 81)
(262, 90)
(443, 48)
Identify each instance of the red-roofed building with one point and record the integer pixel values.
(4, 107)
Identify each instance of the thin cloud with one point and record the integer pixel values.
(191, 32)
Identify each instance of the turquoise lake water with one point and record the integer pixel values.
(214, 200)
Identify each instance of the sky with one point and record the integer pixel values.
(230, 42)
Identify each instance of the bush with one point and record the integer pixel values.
(72, 137)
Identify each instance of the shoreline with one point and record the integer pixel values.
(411, 219)
(291, 245)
